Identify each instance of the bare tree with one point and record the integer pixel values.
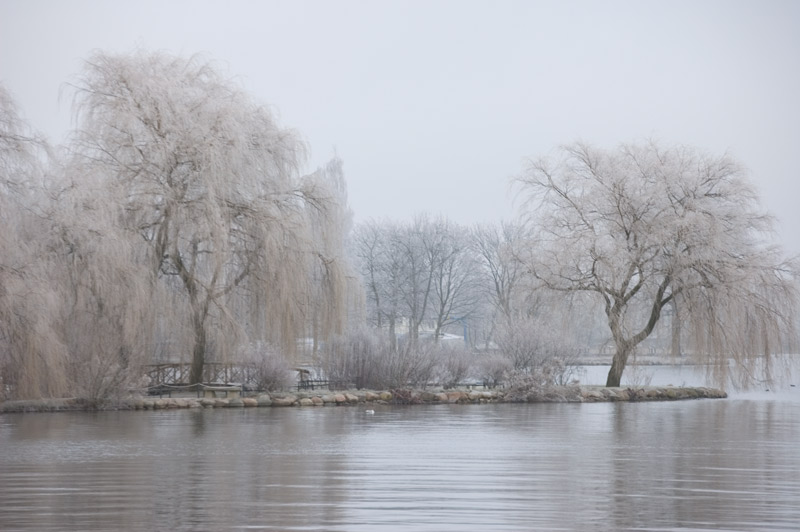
(504, 282)
(419, 252)
(381, 267)
(497, 248)
(643, 226)
(455, 276)
(396, 262)
(210, 182)
(423, 272)
(516, 297)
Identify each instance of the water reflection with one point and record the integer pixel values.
(640, 466)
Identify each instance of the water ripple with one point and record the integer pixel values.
(701, 465)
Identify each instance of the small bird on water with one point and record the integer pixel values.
(369, 411)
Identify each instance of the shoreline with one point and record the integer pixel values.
(555, 394)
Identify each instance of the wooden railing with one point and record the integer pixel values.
(213, 372)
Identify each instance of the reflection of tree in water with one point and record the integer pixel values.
(198, 422)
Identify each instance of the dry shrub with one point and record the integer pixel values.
(455, 364)
(349, 359)
(538, 353)
(363, 359)
(637, 376)
(493, 369)
(523, 387)
(269, 370)
(416, 364)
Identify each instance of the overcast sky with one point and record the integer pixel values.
(434, 105)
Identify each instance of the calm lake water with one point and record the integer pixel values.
(729, 464)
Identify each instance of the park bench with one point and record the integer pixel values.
(214, 390)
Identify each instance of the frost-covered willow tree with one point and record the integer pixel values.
(74, 305)
(644, 226)
(209, 182)
(32, 358)
(336, 295)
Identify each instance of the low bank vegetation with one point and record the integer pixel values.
(365, 359)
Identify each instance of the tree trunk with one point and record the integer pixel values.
(676, 330)
(392, 335)
(198, 354)
(413, 332)
(437, 333)
(618, 366)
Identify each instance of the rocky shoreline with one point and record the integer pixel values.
(562, 394)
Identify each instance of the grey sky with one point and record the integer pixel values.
(433, 105)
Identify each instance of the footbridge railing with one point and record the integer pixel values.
(213, 372)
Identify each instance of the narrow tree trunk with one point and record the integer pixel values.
(314, 334)
(413, 332)
(676, 330)
(392, 335)
(437, 333)
(198, 354)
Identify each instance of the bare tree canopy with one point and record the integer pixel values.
(496, 247)
(424, 273)
(643, 226)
